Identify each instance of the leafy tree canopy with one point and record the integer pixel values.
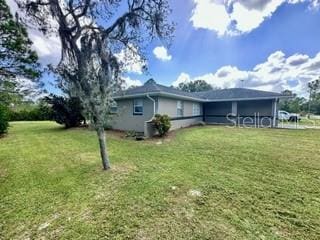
(294, 104)
(66, 111)
(17, 57)
(4, 119)
(195, 86)
(297, 104)
(92, 33)
(314, 88)
(8, 93)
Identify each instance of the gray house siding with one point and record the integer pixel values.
(125, 120)
(176, 124)
(169, 106)
(259, 113)
(226, 106)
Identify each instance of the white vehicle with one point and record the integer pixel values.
(291, 117)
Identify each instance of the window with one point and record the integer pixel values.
(196, 109)
(138, 107)
(113, 107)
(179, 109)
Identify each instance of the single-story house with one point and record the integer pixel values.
(136, 107)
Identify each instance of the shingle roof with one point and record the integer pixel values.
(236, 93)
(151, 87)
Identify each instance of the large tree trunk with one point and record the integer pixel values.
(103, 148)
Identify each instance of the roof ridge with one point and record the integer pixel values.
(157, 86)
(177, 90)
(215, 94)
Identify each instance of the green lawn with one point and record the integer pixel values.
(314, 122)
(250, 184)
(304, 122)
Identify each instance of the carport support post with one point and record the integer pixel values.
(275, 112)
(235, 110)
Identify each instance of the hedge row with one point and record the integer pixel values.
(4, 117)
(38, 113)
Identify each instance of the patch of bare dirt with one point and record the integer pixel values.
(116, 133)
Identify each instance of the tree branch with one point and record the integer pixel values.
(121, 20)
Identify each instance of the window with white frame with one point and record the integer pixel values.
(196, 109)
(138, 107)
(113, 107)
(179, 108)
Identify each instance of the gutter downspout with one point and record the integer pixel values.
(154, 105)
(148, 133)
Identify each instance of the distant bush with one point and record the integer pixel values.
(39, 112)
(162, 124)
(4, 124)
(66, 111)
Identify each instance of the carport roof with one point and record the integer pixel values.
(237, 93)
(151, 88)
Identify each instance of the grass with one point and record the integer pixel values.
(251, 184)
(314, 122)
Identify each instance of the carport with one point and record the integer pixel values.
(241, 107)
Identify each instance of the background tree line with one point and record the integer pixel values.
(17, 62)
(302, 105)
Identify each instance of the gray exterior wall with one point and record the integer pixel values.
(181, 123)
(169, 106)
(214, 113)
(125, 120)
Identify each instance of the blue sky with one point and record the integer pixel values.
(269, 44)
(292, 29)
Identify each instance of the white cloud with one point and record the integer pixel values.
(234, 17)
(248, 19)
(29, 89)
(128, 82)
(47, 48)
(162, 53)
(131, 60)
(210, 15)
(315, 5)
(277, 73)
(183, 78)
